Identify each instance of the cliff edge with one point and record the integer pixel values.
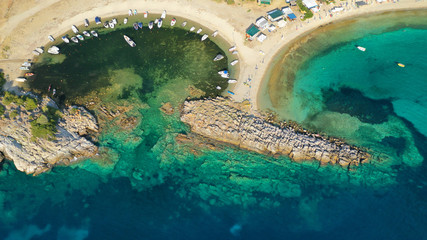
(230, 122)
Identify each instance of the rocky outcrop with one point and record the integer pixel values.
(36, 155)
(227, 121)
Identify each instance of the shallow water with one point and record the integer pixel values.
(146, 185)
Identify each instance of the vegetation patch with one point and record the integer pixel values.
(307, 12)
(13, 114)
(44, 126)
(29, 103)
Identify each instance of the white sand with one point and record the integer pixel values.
(25, 25)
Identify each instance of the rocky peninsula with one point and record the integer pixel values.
(36, 135)
(234, 123)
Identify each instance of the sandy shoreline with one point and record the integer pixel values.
(25, 26)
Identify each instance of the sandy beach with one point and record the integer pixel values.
(25, 25)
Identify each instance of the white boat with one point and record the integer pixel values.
(86, 33)
(214, 34)
(218, 87)
(20, 79)
(86, 22)
(65, 39)
(129, 41)
(159, 23)
(106, 25)
(199, 31)
(192, 29)
(156, 21)
(75, 29)
(204, 37)
(26, 64)
(51, 38)
(173, 21)
(24, 68)
(150, 25)
(183, 24)
(74, 39)
(39, 49)
(146, 14)
(111, 24)
(163, 14)
(80, 37)
(234, 62)
(361, 48)
(235, 52)
(125, 21)
(135, 12)
(130, 12)
(36, 52)
(218, 57)
(232, 81)
(114, 21)
(224, 74)
(95, 34)
(232, 48)
(53, 50)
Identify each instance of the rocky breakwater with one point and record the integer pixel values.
(227, 121)
(37, 136)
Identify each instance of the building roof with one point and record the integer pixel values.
(276, 13)
(292, 16)
(252, 30)
(261, 22)
(262, 37)
(309, 3)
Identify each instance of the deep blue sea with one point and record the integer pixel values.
(147, 185)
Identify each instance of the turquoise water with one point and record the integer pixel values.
(147, 185)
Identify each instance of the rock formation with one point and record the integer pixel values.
(230, 122)
(36, 155)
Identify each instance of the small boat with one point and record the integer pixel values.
(159, 24)
(24, 68)
(20, 79)
(65, 39)
(135, 12)
(156, 21)
(39, 49)
(235, 52)
(53, 91)
(86, 33)
(214, 34)
(204, 37)
(230, 92)
(114, 21)
(98, 20)
(232, 81)
(224, 74)
(28, 74)
(199, 31)
(218, 87)
(125, 21)
(111, 24)
(53, 50)
(80, 37)
(26, 64)
(192, 29)
(150, 25)
(36, 52)
(51, 38)
(86, 22)
(140, 25)
(129, 41)
(361, 48)
(163, 14)
(183, 24)
(135, 25)
(75, 29)
(232, 48)
(173, 21)
(74, 39)
(218, 57)
(234, 62)
(106, 25)
(400, 64)
(95, 34)
(146, 14)
(130, 12)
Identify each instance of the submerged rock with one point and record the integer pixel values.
(227, 121)
(34, 155)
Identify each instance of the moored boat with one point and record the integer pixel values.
(51, 38)
(199, 31)
(129, 41)
(159, 24)
(163, 14)
(20, 79)
(23, 68)
(95, 34)
(146, 14)
(111, 24)
(114, 20)
(192, 29)
(80, 37)
(232, 81)
(125, 21)
(86, 22)
(140, 25)
(214, 34)
(150, 25)
(130, 12)
(232, 48)
(235, 52)
(156, 21)
(135, 12)
(36, 52)
(173, 21)
(400, 64)
(218, 87)
(75, 29)
(39, 49)
(218, 57)
(361, 48)
(204, 37)
(53, 50)
(26, 64)
(234, 62)
(86, 33)
(183, 24)
(135, 26)
(224, 74)
(98, 20)
(74, 39)
(106, 25)
(65, 39)
(28, 74)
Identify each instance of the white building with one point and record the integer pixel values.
(261, 37)
(261, 23)
(311, 4)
